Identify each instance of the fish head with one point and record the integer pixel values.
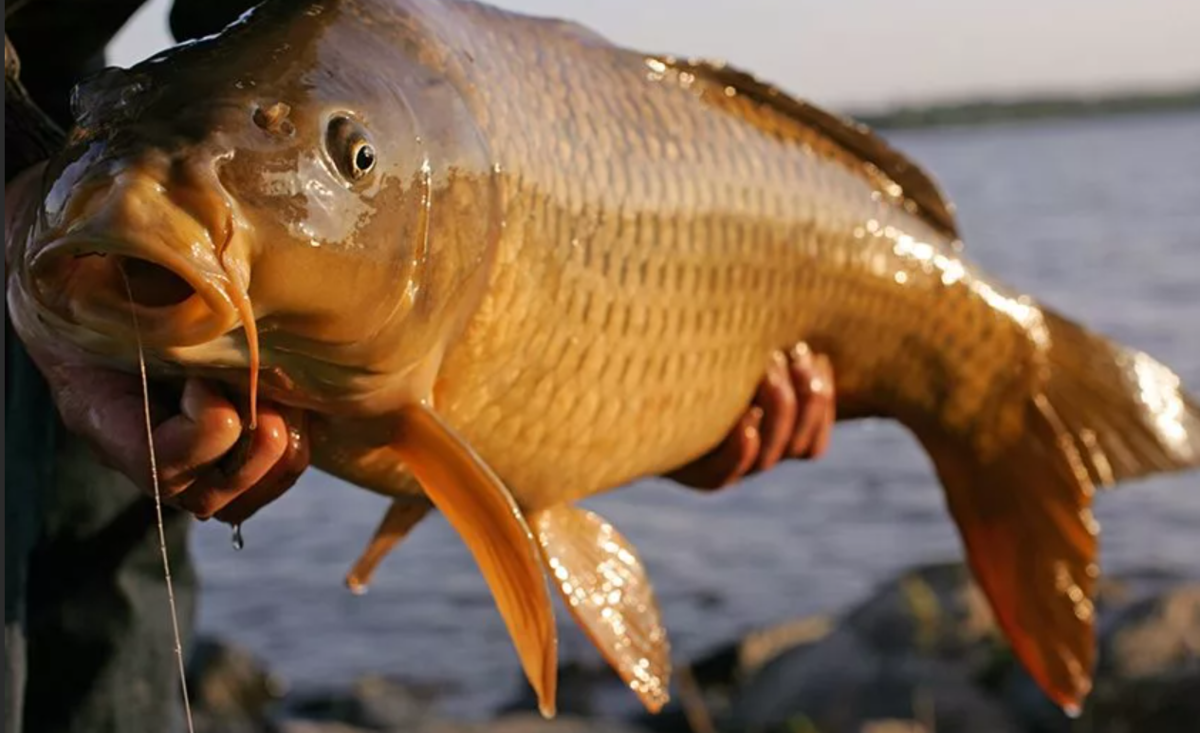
(306, 191)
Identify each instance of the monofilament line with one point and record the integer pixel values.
(158, 511)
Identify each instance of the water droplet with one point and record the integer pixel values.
(238, 541)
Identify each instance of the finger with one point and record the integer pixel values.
(207, 427)
(282, 476)
(108, 410)
(777, 398)
(730, 460)
(812, 378)
(213, 490)
(802, 371)
(828, 402)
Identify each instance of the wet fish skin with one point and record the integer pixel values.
(581, 257)
(661, 238)
(669, 223)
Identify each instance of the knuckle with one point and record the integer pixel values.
(223, 422)
(205, 504)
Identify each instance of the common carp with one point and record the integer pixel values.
(505, 265)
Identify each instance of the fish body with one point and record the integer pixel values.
(684, 222)
(507, 265)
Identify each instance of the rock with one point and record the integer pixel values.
(703, 690)
(579, 686)
(309, 726)
(1167, 703)
(372, 703)
(527, 723)
(843, 684)
(934, 610)
(1156, 636)
(732, 663)
(229, 688)
(530, 723)
(1149, 668)
(894, 726)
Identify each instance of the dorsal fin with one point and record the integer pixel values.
(920, 194)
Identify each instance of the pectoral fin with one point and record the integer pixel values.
(481, 509)
(605, 587)
(401, 517)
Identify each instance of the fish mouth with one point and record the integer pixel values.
(126, 292)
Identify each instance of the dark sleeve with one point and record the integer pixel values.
(29, 135)
(197, 18)
(61, 42)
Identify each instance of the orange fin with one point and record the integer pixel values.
(1104, 414)
(605, 588)
(401, 517)
(484, 513)
(1128, 414)
(1032, 544)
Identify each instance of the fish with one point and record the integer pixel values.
(505, 265)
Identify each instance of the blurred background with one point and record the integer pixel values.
(1093, 207)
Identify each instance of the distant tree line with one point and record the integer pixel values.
(981, 112)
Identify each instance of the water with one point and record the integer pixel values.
(1099, 218)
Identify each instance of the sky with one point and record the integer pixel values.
(866, 54)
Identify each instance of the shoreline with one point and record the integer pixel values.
(986, 112)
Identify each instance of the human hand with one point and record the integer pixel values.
(207, 462)
(792, 416)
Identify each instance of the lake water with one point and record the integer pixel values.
(1100, 219)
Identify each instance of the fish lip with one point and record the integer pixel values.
(211, 310)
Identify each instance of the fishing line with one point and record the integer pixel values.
(158, 511)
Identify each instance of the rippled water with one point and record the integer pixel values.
(1101, 219)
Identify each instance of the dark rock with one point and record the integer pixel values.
(1167, 703)
(935, 610)
(1029, 705)
(730, 664)
(1158, 635)
(372, 703)
(311, 726)
(1149, 658)
(845, 684)
(703, 690)
(530, 723)
(527, 723)
(1149, 669)
(579, 688)
(230, 690)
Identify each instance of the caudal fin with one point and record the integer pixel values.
(1104, 414)
(1127, 413)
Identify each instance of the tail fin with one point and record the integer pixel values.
(1127, 413)
(1105, 414)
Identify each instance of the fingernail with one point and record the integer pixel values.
(754, 418)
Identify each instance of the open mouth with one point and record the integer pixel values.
(103, 288)
(159, 300)
(153, 286)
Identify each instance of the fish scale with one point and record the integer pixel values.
(782, 212)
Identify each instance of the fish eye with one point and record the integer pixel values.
(351, 151)
(364, 158)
